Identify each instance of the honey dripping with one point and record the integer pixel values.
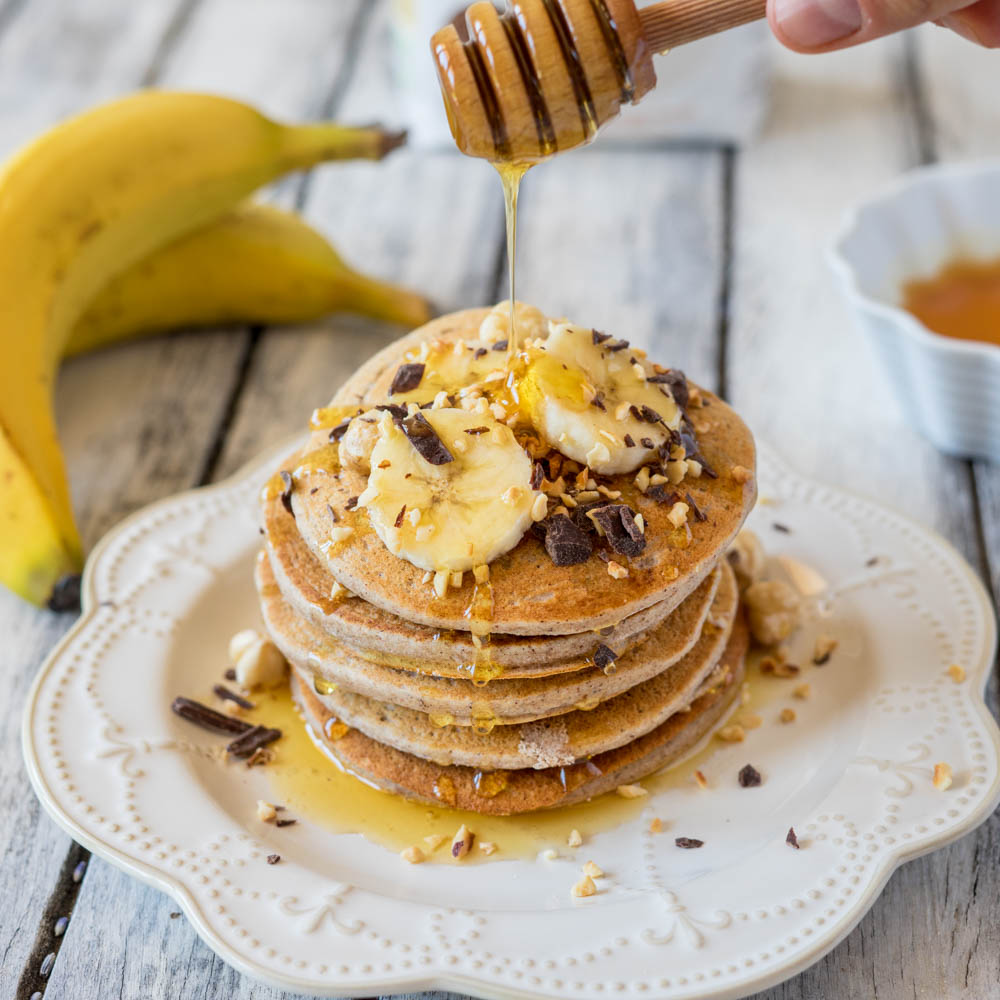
(322, 686)
(479, 614)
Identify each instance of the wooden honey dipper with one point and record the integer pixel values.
(544, 75)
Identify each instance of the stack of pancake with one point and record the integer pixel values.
(535, 684)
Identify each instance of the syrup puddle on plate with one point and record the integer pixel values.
(314, 789)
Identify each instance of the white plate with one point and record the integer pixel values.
(342, 916)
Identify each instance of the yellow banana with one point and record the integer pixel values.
(78, 206)
(256, 264)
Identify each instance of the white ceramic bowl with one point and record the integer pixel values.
(949, 389)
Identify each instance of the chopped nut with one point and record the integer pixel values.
(823, 650)
(804, 578)
(488, 847)
(550, 854)
(621, 410)
(732, 734)
(678, 514)
(642, 479)
(956, 673)
(413, 855)
(631, 791)
(656, 825)
(499, 411)
(586, 496)
(568, 500)
(338, 591)
(481, 573)
(455, 580)
(657, 480)
(801, 691)
(700, 780)
(640, 522)
(591, 870)
(414, 516)
(747, 558)
(240, 642)
(512, 494)
(942, 776)
(575, 838)
(341, 532)
(434, 841)
(777, 667)
(441, 578)
(694, 468)
(774, 610)
(609, 493)
(461, 843)
(585, 887)
(740, 474)
(266, 813)
(675, 471)
(598, 455)
(616, 570)
(231, 708)
(751, 721)
(260, 665)
(539, 508)
(787, 715)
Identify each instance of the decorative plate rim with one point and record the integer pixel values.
(436, 977)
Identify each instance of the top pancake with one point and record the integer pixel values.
(531, 595)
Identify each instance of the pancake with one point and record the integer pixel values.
(531, 595)
(375, 634)
(510, 700)
(528, 789)
(552, 742)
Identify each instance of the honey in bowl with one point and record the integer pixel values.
(962, 300)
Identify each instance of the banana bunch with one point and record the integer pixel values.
(114, 223)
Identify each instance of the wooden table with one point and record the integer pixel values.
(712, 256)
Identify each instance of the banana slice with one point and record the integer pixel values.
(591, 398)
(449, 490)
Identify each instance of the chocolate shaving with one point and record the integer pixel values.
(689, 441)
(650, 415)
(315, 489)
(407, 378)
(791, 839)
(253, 739)
(273, 859)
(399, 517)
(230, 674)
(749, 776)
(676, 381)
(398, 412)
(620, 529)
(565, 543)
(425, 440)
(500, 345)
(598, 401)
(286, 493)
(285, 822)
(332, 513)
(220, 691)
(340, 430)
(604, 656)
(688, 842)
(699, 514)
(476, 430)
(352, 502)
(480, 353)
(618, 345)
(872, 562)
(598, 337)
(647, 443)
(208, 718)
(537, 475)
(783, 528)
(629, 441)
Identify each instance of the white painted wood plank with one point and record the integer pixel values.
(807, 382)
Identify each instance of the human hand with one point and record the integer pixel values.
(825, 25)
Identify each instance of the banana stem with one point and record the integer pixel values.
(323, 141)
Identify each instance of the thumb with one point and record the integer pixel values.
(823, 25)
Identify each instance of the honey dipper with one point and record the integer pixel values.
(544, 75)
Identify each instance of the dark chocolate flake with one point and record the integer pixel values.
(286, 493)
(783, 528)
(352, 502)
(598, 337)
(425, 440)
(791, 839)
(749, 776)
(598, 401)
(500, 345)
(604, 656)
(208, 718)
(629, 441)
(622, 533)
(221, 691)
(253, 739)
(647, 443)
(618, 345)
(650, 415)
(273, 859)
(565, 543)
(285, 822)
(476, 431)
(699, 514)
(688, 842)
(481, 352)
(399, 517)
(230, 674)
(537, 475)
(398, 412)
(332, 513)
(676, 382)
(340, 430)
(407, 378)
